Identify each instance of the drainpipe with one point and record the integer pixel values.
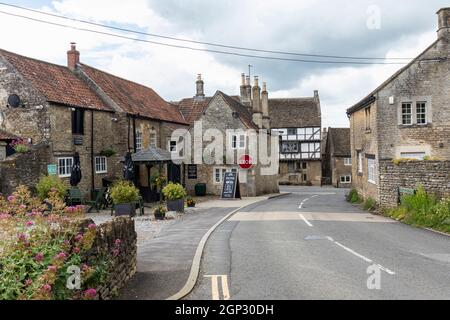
(92, 152)
(134, 134)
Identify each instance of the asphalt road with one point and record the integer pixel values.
(312, 244)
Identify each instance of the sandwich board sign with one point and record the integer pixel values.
(230, 188)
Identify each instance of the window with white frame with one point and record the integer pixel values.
(101, 165)
(346, 179)
(359, 155)
(347, 161)
(138, 140)
(65, 166)
(406, 113)
(219, 173)
(153, 142)
(371, 170)
(238, 141)
(421, 112)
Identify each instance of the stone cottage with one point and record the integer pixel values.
(336, 160)
(233, 117)
(62, 110)
(406, 117)
(299, 123)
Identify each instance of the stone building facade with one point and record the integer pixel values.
(77, 109)
(224, 114)
(337, 161)
(298, 121)
(408, 116)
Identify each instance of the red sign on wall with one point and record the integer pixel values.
(245, 162)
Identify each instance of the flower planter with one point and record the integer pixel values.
(175, 205)
(125, 209)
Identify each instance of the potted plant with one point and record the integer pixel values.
(159, 213)
(124, 195)
(20, 145)
(174, 194)
(190, 202)
(108, 152)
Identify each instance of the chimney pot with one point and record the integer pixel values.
(443, 22)
(200, 95)
(256, 81)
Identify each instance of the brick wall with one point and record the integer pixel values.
(434, 176)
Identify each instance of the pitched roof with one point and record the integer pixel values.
(242, 111)
(5, 135)
(192, 108)
(152, 155)
(339, 141)
(134, 98)
(56, 83)
(295, 112)
(371, 96)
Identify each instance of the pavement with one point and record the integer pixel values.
(164, 261)
(312, 244)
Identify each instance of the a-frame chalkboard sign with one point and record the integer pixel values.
(230, 188)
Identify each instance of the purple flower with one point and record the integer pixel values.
(52, 268)
(47, 288)
(92, 226)
(28, 282)
(90, 293)
(29, 223)
(61, 256)
(76, 250)
(116, 252)
(79, 237)
(22, 237)
(118, 242)
(85, 267)
(11, 198)
(39, 257)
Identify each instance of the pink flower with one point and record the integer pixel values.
(79, 237)
(11, 198)
(116, 252)
(47, 288)
(22, 206)
(118, 242)
(92, 226)
(4, 216)
(28, 282)
(29, 223)
(39, 257)
(76, 250)
(90, 293)
(85, 267)
(61, 256)
(52, 268)
(22, 237)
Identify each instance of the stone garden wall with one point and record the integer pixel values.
(116, 238)
(434, 176)
(24, 168)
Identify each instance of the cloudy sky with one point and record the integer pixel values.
(383, 29)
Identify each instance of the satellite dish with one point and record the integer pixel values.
(14, 101)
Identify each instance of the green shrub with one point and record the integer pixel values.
(174, 191)
(50, 183)
(369, 204)
(353, 196)
(421, 202)
(124, 192)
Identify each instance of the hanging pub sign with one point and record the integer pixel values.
(230, 188)
(192, 171)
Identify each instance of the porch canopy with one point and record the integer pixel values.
(151, 156)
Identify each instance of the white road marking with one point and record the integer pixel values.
(215, 287)
(362, 257)
(306, 221)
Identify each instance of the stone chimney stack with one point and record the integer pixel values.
(265, 107)
(444, 23)
(257, 114)
(245, 97)
(200, 95)
(73, 56)
(248, 89)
